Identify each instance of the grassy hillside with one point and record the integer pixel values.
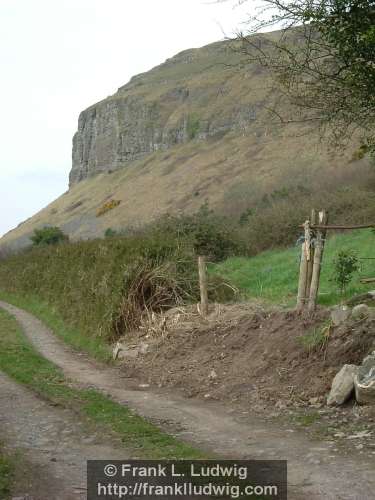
(236, 156)
(273, 275)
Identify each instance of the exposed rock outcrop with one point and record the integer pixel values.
(190, 96)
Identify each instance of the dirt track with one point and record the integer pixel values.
(54, 445)
(315, 470)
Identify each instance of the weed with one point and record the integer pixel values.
(307, 419)
(314, 339)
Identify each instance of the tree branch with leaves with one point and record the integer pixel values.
(322, 61)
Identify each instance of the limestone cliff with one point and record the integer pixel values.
(195, 95)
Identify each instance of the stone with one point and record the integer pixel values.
(360, 311)
(342, 385)
(364, 381)
(314, 401)
(122, 350)
(360, 435)
(340, 314)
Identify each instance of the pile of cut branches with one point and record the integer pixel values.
(153, 287)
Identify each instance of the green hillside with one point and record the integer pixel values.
(273, 275)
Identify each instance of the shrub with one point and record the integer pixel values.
(48, 236)
(192, 126)
(204, 232)
(345, 265)
(110, 233)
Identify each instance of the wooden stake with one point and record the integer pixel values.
(311, 259)
(317, 263)
(202, 269)
(305, 250)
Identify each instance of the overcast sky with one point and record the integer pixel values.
(59, 57)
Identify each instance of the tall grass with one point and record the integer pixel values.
(85, 283)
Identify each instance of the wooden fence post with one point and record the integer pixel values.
(305, 249)
(202, 269)
(311, 259)
(317, 263)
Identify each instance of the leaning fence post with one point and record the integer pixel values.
(305, 250)
(202, 269)
(317, 264)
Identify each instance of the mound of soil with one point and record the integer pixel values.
(253, 356)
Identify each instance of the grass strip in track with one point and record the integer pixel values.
(6, 475)
(20, 361)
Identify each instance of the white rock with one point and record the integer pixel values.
(364, 381)
(340, 314)
(360, 311)
(342, 385)
(360, 435)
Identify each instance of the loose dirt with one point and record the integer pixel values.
(50, 445)
(247, 354)
(317, 470)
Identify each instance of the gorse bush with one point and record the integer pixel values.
(109, 205)
(49, 235)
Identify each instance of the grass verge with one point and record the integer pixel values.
(20, 361)
(95, 346)
(273, 275)
(6, 475)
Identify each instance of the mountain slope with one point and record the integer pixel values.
(193, 129)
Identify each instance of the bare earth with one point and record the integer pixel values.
(54, 445)
(316, 469)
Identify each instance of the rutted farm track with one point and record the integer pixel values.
(315, 470)
(54, 445)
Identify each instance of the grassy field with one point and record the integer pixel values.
(273, 275)
(20, 361)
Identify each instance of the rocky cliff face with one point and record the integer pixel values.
(190, 97)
